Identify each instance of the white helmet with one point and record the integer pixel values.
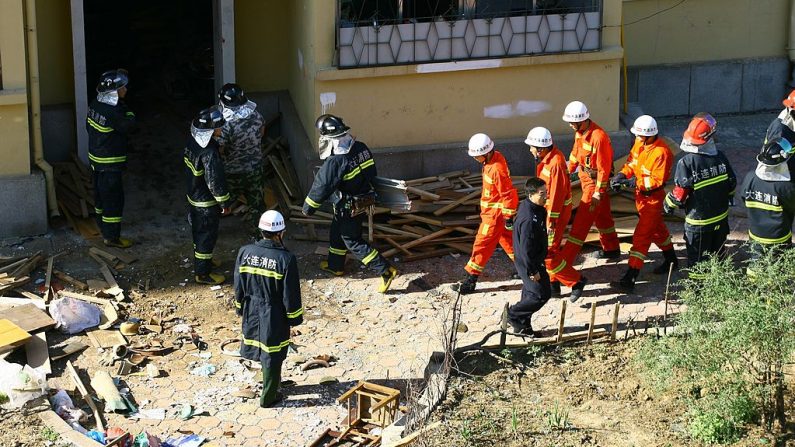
(480, 144)
(645, 126)
(271, 221)
(576, 112)
(539, 137)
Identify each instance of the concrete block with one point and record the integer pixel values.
(664, 90)
(58, 132)
(23, 205)
(764, 84)
(716, 88)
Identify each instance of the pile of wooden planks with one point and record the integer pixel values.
(14, 271)
(74, 192)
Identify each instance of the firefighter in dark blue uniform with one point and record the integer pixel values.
(704, 183)
(530, 250)
(108, 122)
(268, 297)
(208, 198)
(783, 126)
(346, 177)
(769, 195)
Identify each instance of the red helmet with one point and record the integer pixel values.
(701, 128)
(789, 101)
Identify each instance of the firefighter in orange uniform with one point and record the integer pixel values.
(551, 168)
(592, 153)
(647, 169)
(498, 203)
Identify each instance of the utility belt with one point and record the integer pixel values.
(650, 192)
(590, 172)
(355, 205)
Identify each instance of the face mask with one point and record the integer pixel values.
(109, 98)
(325, 147)
(240, 112)
(201, 136)
(343, 144)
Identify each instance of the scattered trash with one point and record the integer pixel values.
(181, 328)
(198, 342)
(184, 441)
(152, 371)
(144, 439)
(20, 384)
(64, 407)
(214, 288)
(106, 389)
(157, 414)
(205, 370)
(73, 316)
(130, 327)
(327, 380)
(231, 353)
(204, 355)
(186, 412)
(245, 393)
(96, 436)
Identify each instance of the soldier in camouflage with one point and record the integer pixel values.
(241, 148)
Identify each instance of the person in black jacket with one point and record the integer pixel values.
(346, 177)
(530, 250)
(769, 195)
(704, 183)
(268, 297)
(208, 197)
(108, 122)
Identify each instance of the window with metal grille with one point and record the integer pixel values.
(394, 32)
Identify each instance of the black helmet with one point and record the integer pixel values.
(775, 152)
(331, 126)
(210, 118)
(113, 80)
(231, 95)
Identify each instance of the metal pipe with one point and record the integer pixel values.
(35, 105)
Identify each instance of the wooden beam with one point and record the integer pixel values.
(445, 209)
(68, 279)
(615, 322)
(84, 392)
(562, 322)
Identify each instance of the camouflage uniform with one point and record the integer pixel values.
(242, 142)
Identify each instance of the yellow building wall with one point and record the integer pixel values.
(704, 30)
(404, 106)
(262, 44)
(56, 68)
(15, 147)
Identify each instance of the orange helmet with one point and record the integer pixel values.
(789, 101)
(700, 129)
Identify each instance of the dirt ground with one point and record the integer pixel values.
(567, 396)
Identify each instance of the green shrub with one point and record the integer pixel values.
(730, 344)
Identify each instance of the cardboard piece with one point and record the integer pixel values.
(38, 353)
(28, 317)
(11, 336)
(67, 350)
(106, 338)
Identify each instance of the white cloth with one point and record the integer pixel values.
(787, 119)
(338, 146)
(201, 136)
(707, 148)
(239, 112)
(777, 173)
(109, 98)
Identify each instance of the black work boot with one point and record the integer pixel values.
(609, 254)
(627, 282)
(467, 285)
(669, 258)
(555, 287)
(577, 289)
(525, 330)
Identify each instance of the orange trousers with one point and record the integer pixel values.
(559, 270)
(490, 233)
(583, 220)
(651, 228)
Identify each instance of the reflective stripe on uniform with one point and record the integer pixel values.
(484, 204)
(560, 267)
(196, 172)
(574, 240)
(266, 348)
(546, 172)
(295, 314)
(367, 164)
(637, 254)
(485, 229)
(238, 305)
(508, 211)
(198, 255)
(769, 241)
(107, 219)
(488, 179)
(106, 160)
(223, 198)
(474, 266)
(129, 114)
(763, 206)
(356, 171)
(311, 202)
(98, 210)
(337, 251)
(610, 230)
(567, 202)
(554, 215)
(260, 271)
(712, 181)
(370, 256)
(670, 202)
(702, 222)
(647, 182)
(99, 127)
(601, 184)
(206, 204)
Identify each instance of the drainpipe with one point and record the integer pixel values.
(35, 105)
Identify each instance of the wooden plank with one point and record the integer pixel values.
(123, 255)
(614, 327)
(66, 432)
(430, 254)
(106, 338)
(11, 336)
(38, 354)
(447, 208)
(87, 298)
(9, 302)
(423, 219)
(68, 350)
(28, 267)
(48, 279)
(419, 241)
(422, 193)
(13, 266)
(29, 318)
(283, 176)
(593, 318)
(562, 322)
(397, 246)
(108, 276)
(84, 392)
(14, 284)
(68, 279)
(103, 254)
